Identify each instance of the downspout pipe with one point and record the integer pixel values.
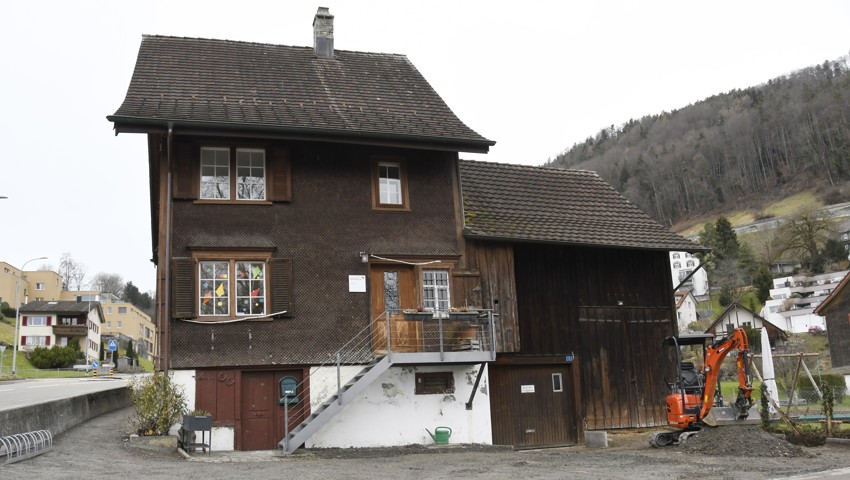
(165, 350)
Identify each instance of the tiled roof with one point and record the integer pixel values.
(229, 84)
(538, 204)
(63, 306)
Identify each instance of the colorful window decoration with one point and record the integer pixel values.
(250, 288)
(214, 282)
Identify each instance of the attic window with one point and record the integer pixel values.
(389, 184)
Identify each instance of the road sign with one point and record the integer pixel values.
(112, 345)
(95, 364)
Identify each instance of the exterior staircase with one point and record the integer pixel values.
(333, 405)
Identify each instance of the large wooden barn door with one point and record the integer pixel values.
(530, 407)
(622, 367)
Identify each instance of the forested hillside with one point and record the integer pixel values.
(732, 150)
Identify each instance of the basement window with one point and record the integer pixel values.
(432, 383)
(557, 382)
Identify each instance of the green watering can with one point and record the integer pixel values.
(441, 435)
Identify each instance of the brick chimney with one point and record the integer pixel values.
(323, 33)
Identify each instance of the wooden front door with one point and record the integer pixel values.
(533, 406)
(393, 289)
(258, 411)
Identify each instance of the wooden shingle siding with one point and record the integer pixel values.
(186, 167)
(183, 273)
(279, 172)
(281, 286)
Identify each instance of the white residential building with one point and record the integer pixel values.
(51, 323)
(793, 301)
(686, 309)
(681, 265)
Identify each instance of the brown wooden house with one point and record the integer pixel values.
(303, 199)
(836, 310)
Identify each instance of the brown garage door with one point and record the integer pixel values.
(532, 406)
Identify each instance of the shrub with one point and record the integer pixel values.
(56, 357)
(159, 403)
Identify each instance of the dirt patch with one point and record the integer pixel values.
(808, 439)
(740, 440)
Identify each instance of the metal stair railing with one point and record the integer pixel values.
(357, 350)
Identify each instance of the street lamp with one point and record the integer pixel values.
(15, 340)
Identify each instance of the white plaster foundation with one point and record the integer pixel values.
(387, 414)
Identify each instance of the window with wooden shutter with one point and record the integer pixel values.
(281, 286)
(231, 284)
(183, 288)
(186, 170)
(280, 183)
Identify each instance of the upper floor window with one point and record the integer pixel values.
(435, 291)
(122, 309)
(690, 263)
(677, 264)
(119, 324)
(39, 286)
(39, 321)
(390, 184)
(220, 177)
(675, 256)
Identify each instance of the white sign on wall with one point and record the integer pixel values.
(357, 283)
(526, 388)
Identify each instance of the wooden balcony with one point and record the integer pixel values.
(70, 330)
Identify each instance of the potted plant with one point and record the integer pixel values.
(462, 313)
(418, 313)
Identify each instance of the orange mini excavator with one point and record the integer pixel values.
(695, 399)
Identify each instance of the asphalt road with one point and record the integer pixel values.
(22, 393)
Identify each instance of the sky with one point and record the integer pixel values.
(534, 76)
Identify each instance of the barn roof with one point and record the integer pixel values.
(551, 205)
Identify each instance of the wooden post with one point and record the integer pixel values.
(776, 407)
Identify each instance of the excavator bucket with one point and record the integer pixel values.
(732, 415)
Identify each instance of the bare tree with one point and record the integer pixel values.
(73, 273)
(108, 283)
(805, 235)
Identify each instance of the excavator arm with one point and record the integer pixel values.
(714, 356)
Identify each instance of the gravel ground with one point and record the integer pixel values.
(97, 449)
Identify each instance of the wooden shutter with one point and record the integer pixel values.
(23, 341)
(49, 318)
(24, 321)
(47, 341)
(183, 274)
(279, 175)
(185, 158)
(281, 286)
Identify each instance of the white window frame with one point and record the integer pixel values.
(122, 310)
(436, 297)
(677, 264)
(42, 321)
(36, 341)
(120, 324)
(254, 165)
(231, 287)
(39, 286)
(557, 382)
(390, 190)
(218, 165)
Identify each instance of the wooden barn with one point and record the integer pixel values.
(836, 310)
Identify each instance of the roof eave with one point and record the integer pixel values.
(126, 124)
(508, 238)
